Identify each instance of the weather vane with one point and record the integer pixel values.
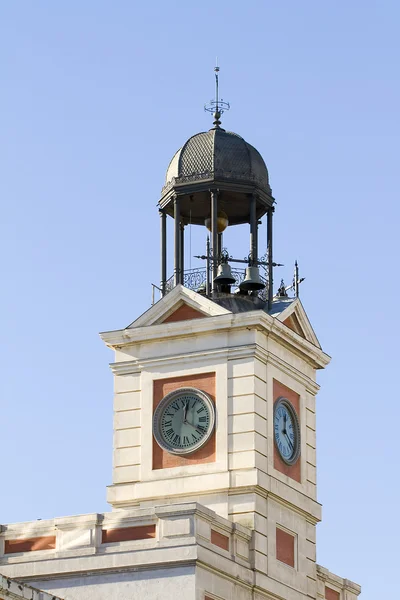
(217, 106)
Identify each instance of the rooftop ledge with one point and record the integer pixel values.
(144, 533)
(137, 538)
(13, 589)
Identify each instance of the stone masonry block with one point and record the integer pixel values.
(310, 419)
(125, 438)
(127, 401)
(127, 456)
(127, 383)
(126, 474)
(127, 419)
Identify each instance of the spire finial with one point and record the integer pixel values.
(217, 106)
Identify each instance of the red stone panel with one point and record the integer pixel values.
(220, 540)
(184, 313)
(126, 534)
(161, 387)
(293, 471)
(293, 323)
(331, 594)
(285, 547)
(47, 542)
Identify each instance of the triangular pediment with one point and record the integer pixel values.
(180, 304)
(296, 319)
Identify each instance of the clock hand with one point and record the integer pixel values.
(284, 428)
(185, 409)
(289, 440)
(195, 428)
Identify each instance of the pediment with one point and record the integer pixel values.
(296, 319)
(180, 304)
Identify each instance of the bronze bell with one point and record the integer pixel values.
(252, 281)
(224, 275)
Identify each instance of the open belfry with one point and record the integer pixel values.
(214, 491)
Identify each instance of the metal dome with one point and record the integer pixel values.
(218, 154)
(220, 160)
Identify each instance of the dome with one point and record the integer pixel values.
(216, 160)
(221, 154)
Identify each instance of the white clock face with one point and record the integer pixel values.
(184, 421)
(286, 431)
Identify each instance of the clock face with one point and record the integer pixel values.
(184, 421)
(286, 431)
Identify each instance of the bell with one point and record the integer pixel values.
(252, 281)
(224, 275)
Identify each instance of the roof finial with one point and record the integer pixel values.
(296, 279)
(217, 106)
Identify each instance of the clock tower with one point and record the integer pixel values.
(213, 492)
(215, 384)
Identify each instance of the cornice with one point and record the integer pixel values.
(176, 297)
(264, 493)
(135, 366)
(131, 367)
(335, 580)
(224, 574)
(255, 319)
(268, 357)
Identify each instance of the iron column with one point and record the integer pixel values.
(269, 258)
(214, 234)
(219, 244)
(163, 244)
(177, 240)
(208, 267)
(182, 253)
(253, 229)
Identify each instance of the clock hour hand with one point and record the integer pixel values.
(185, 409)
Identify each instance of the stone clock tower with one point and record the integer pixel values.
(214, 478)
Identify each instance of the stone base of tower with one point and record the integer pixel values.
(160, 552)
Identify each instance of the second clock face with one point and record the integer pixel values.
(184, 421)
(286, 431)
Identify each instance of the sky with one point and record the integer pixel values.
(96, 98)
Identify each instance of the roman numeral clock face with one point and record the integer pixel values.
(286, 431)
(184, 421)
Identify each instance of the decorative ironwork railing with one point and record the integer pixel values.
(218, 173)
(195, 279)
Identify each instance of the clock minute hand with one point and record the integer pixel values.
(194, 427)
(289, 440)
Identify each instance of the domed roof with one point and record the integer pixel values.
(218, 154)
(222, 161)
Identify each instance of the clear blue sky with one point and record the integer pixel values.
(96, 97)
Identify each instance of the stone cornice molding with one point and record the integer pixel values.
(346, 584)
(254, 319)
(297, 309)
(263, 493)
(285, 367)
(10, 588)
(131, 367)
(172, 301)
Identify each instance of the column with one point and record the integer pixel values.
(163, 248)
(177, 240)
(214, 235)
(182, 253)
(269, 258)
(219, 244)
(253, 230)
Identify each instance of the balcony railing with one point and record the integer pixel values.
(195, 279)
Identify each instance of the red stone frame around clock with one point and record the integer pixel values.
(281, 391)
(161, 387)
